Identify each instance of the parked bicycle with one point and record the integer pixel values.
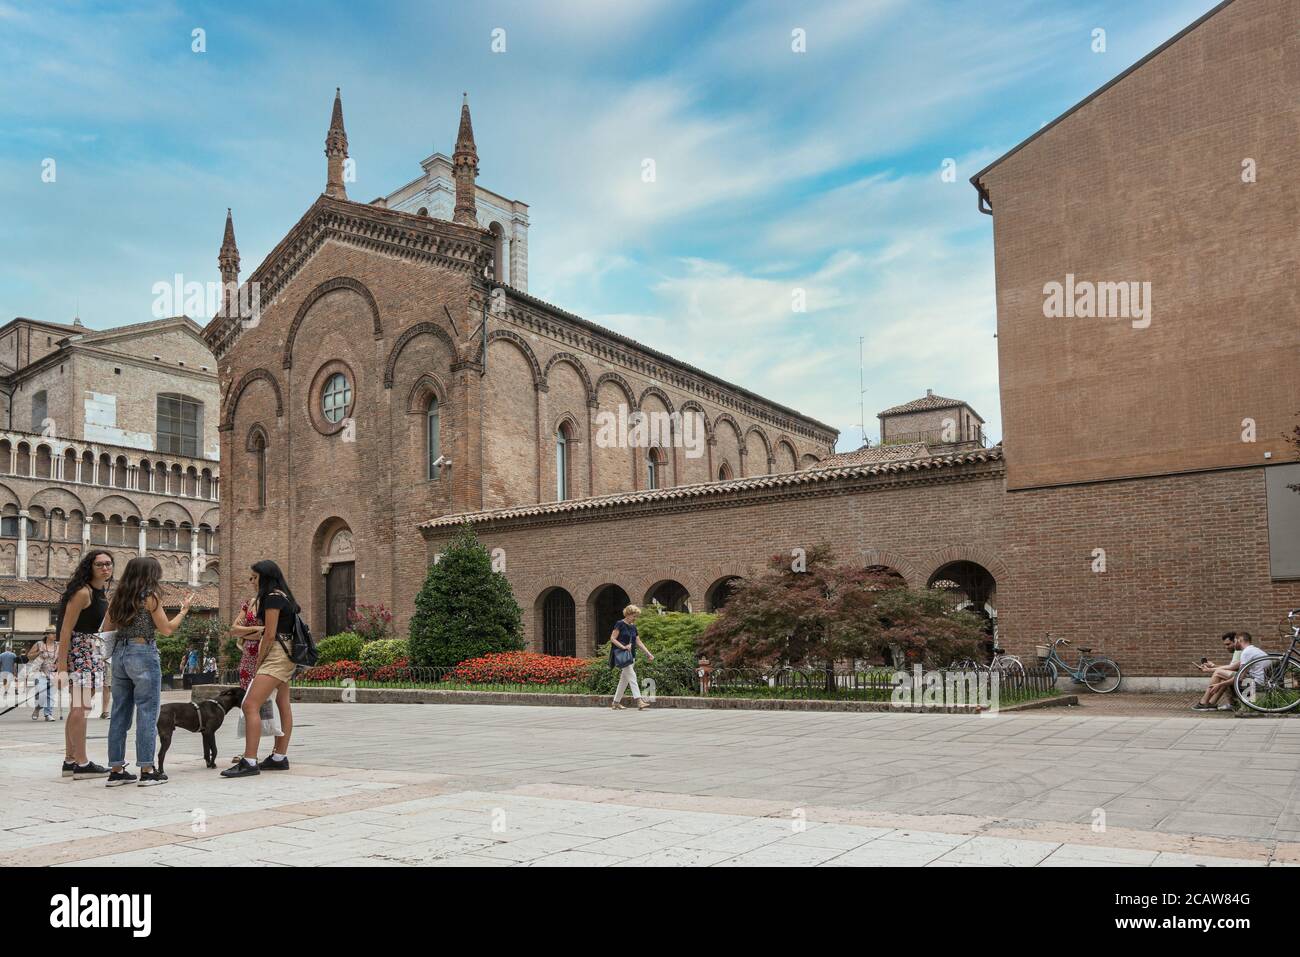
(1006, 665)
(1272, 683)
(1097, 672)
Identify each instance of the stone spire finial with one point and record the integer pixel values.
(464, 161)
(336, 149)
(228, 261)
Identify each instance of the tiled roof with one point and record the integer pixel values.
(205, 596)
(707, 490)
(47, 591)
(922, 404)
(868, 455)
(34, 591)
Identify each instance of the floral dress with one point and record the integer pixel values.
(248, 661)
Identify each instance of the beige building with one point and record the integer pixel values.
(106, 438)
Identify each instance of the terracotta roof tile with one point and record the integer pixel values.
(926, 402)
(34, 591)
(811, 476)
(868, 455)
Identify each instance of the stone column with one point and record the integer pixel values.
(144, 543)
(194, 556)
(22, 544)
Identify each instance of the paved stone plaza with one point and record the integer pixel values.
(407, 785)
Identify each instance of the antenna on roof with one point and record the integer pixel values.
(862, 391)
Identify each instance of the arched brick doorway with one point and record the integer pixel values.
(336, 594)
(605, 607)
(558, 619)
(719, 593)
(672, 595)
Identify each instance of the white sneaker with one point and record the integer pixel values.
(1225, 707)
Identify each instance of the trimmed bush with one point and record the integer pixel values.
(345, 646)
(673, 673)
(384, 652)
(520, 667)
(465, 609)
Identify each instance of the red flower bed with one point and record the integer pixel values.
(399, 670)
(335, 671)
(520, 667)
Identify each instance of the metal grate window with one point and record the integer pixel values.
(559, 631)
(180, 420)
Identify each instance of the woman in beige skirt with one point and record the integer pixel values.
(276, 611)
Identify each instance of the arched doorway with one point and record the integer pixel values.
(338, 567)
(720, 591)
(671, 595)
(888, 572)
(972, 588)
(559, 623)
(606, 608)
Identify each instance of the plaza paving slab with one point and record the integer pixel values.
(384, 785)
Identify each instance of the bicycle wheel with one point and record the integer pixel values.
(1269, 687)
(1102, 676)
(1010, 665)
(1052, 671)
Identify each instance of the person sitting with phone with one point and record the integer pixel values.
(1218, 696)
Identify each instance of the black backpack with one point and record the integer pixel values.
(302, 650)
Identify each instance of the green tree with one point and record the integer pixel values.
(821, 613)
(465, 609)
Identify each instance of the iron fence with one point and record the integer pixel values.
(944, 687)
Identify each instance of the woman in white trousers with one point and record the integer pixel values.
(623, 642)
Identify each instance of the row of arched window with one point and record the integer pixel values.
(107, 471)
(60, 526)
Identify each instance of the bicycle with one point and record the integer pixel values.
(1098, 673)
(1005, 665)
(1271, 684)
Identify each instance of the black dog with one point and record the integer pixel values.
(202, 716)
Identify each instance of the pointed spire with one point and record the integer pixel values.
(464, 162)
(228, 261)
(336, 150)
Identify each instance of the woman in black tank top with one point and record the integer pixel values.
(82, 608)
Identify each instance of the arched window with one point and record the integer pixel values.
(259, 466)
(432, 439)
(724, 473)
(336, 397)
(562, 463)
(654, 468)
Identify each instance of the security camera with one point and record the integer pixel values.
(441, 461)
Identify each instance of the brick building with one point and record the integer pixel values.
(104, 441)
(1138, 502)
(394, 373)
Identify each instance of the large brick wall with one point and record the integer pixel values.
(1185, 556)
(1144, 182)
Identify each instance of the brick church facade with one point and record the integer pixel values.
(1139, 501)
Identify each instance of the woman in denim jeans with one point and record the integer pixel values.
(136, 616)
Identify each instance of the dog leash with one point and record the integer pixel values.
(20, 704)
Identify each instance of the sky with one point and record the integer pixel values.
(798, 215)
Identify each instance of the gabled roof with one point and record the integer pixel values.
(975, 180)
(137, 329)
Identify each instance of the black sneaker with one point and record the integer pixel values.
(149, 778)
(117, 778)
(1203, 707)
(269, 763)
(241, 770)
(88, 770)
(68, 768)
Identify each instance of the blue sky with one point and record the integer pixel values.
(776, 171)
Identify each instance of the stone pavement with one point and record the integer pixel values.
(407, 785)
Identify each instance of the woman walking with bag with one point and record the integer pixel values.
(136, 618)
(81, 612)
(276, 612)
(623, 642)
(44, 657)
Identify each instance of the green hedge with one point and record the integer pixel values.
(385, 651)
(345, 646)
